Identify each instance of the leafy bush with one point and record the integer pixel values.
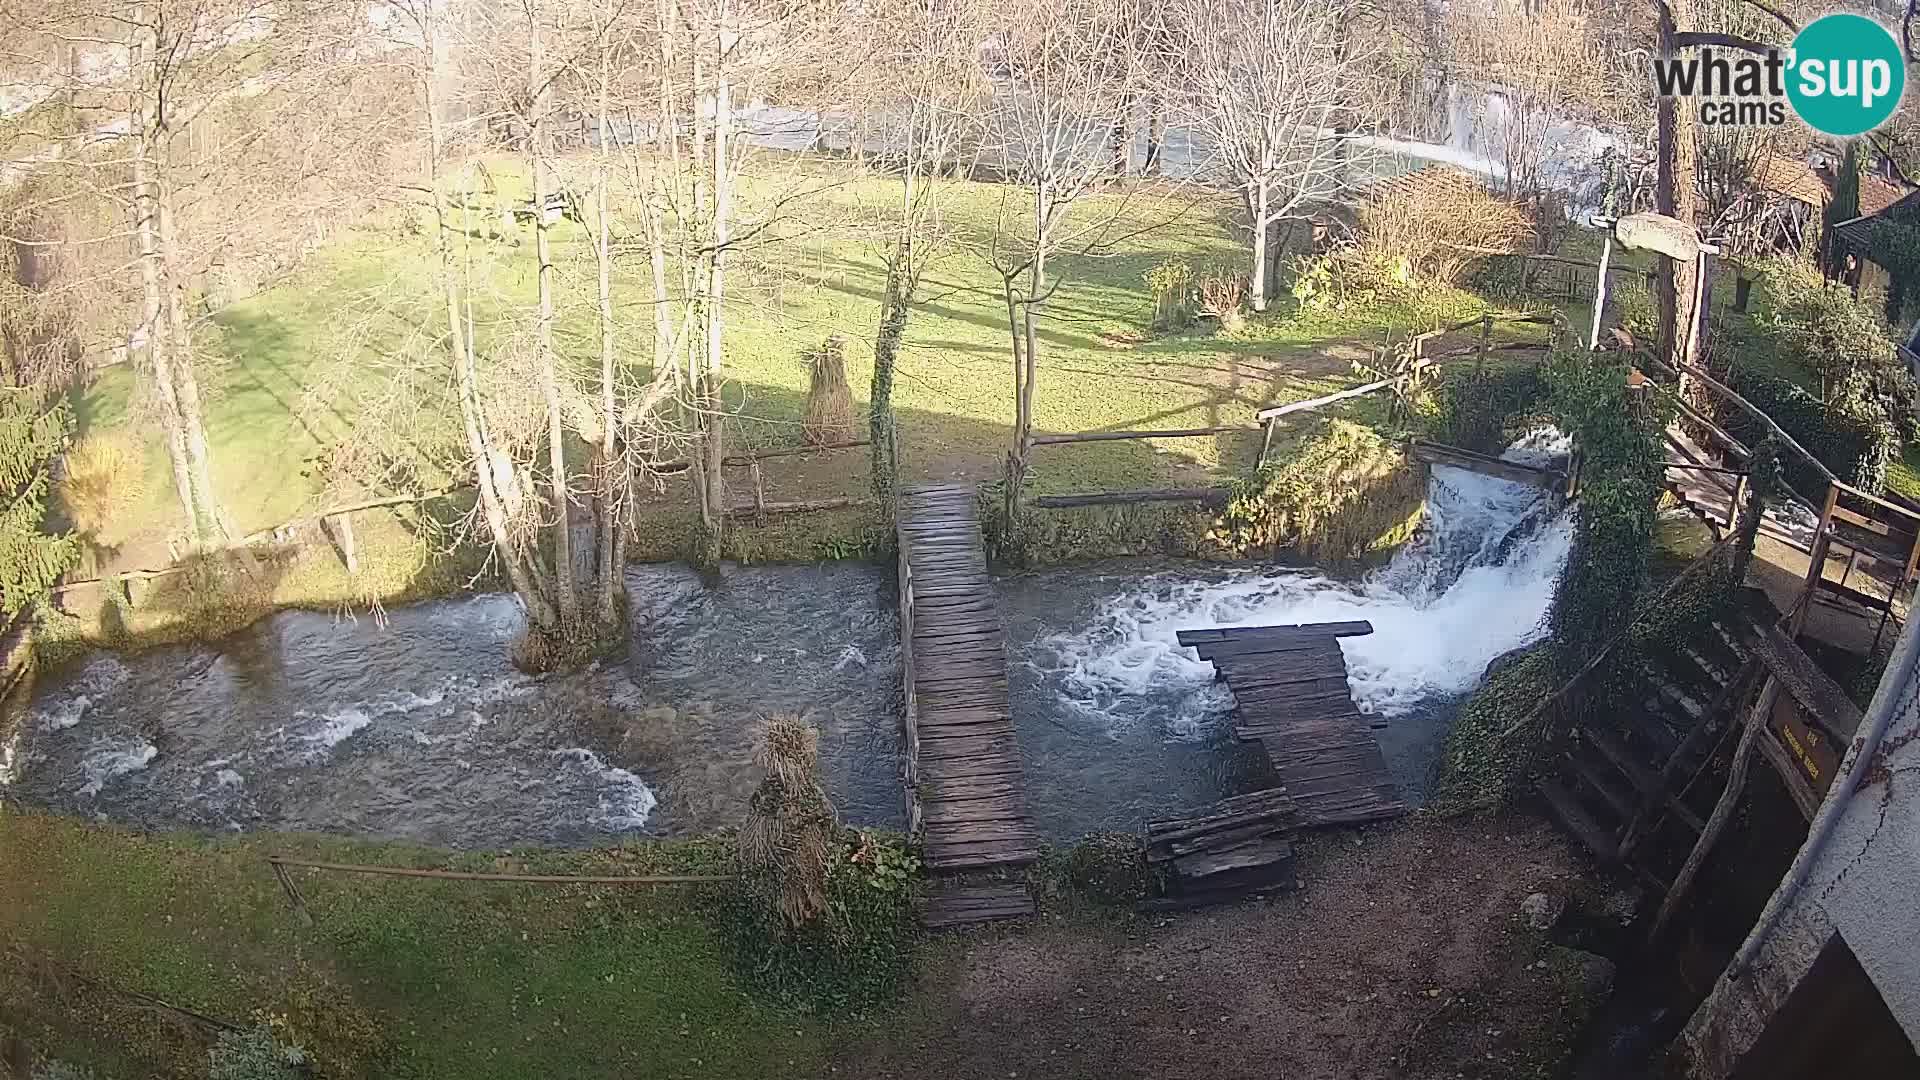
(1851, 439)
(254, 1054)
(1349, 277)
(1343, 494)
(1485, 411)
(855, 954)
(1108, 869)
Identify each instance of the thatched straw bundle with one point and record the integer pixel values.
(791, 827)
(829, 416)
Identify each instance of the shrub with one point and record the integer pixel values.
(104, 476)
(1442, 222)
(254, 1055)
(820, 917)
(1343, 494)
(1853, 439)
(1107, 869)
(1484, 411)
(829, 417)
(1222, 291)
(1171, 283)
(851, 957)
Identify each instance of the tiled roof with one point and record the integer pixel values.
(1876, 194)
(1796, 180)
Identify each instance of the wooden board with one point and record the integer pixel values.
(964, 905)
(1290, 687)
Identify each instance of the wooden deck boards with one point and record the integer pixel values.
(965, 767)
(1290, 685)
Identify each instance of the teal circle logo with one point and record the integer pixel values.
(1845, 74)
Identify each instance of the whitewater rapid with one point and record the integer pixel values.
(1474, 584)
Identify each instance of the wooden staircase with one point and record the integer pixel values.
(1634, 788)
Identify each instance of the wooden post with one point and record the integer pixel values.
(1486, 342)
(1600, 291)
(759, 493)
(340, 528)
(1733, 506)
(1722, 810)
(1266, 445)
(1816, 564)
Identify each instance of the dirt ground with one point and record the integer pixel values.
(1405, 954)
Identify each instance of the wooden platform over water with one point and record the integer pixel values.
(965, 794)
(1290, 683)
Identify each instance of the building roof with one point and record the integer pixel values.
(1878, 193)
(1793, 179)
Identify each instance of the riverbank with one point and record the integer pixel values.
(1406, 954)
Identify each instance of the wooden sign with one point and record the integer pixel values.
(1811, 750)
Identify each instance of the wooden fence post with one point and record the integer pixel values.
(1486, 342)
(340, 528)
(759, 493)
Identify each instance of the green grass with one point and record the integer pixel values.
(1903, 473)
(395, 978)
(290, 372)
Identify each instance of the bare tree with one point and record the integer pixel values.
(1272, 85)
(1070, 71)
(921, 101)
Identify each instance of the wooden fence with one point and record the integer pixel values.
(1417, 361)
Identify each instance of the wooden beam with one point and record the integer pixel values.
(1107, 436)
(1441, 454)
(1722, 810)
(1213, 495)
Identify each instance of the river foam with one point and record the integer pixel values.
(1476, 583)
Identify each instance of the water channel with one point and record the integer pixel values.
(420, 729)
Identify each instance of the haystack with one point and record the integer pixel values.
(829, 416)
(787, 841)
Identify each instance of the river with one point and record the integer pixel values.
(419, 728)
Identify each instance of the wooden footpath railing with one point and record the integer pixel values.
(966, 798)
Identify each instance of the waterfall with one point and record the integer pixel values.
(1476, 583)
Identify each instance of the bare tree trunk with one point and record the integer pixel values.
(1257, 280)
(487, 481)
(187, 386)
(713, 508)
(563, 569)
(165, 353)
(1674, 192)
(610, 474)
(1156, 132)
(158, 356)
(1023, 318)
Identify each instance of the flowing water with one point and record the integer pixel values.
(421, 730)
(1119, 723)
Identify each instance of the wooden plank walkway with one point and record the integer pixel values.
(1710, 495)
(966, 798)
(1290, 683)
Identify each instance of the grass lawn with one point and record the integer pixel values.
(394, 978)
(289, 373)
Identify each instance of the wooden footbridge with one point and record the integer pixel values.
(1290, 683)
(966, 798)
